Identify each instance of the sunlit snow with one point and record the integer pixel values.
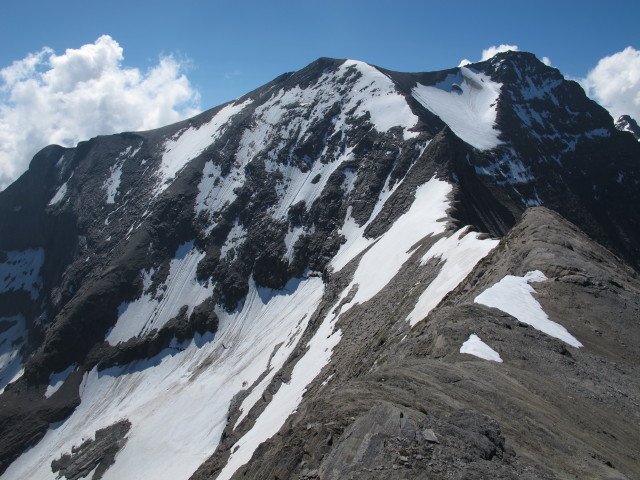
(188, 144)
(21, 271)
(388, 253)
(460, 253)
(287, 398)
(514, 296)
(475, 346)
(112, 184)
(466, 101)
(235, 238)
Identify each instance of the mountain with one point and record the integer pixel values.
(347, 273)
(627, 124)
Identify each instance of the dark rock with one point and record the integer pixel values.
(93, 454)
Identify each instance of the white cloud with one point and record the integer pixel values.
(615, 83)
(47, 98)
(487, 53)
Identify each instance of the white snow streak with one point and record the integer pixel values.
(465, 101)
(460, 253)
(388, 253)
(11, 341)
(188, 144)
(514, 296)
(148, 312)
(287, 398)
(112, 184)
(475, 346)
(59, 195)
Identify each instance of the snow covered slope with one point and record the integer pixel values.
(195, 301)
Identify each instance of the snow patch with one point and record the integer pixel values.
(514, 295)
(57, 379)
(376, 95)
(112, 184)
(466, 101)
(21, 271)
(475, 346)
(235, 238)
(290, 239)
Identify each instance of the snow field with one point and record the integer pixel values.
(514, 295)
(375, 94)
(178, 401)
(475, 346)
(466, 101)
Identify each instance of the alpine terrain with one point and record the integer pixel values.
(348, 273)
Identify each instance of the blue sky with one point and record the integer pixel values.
(236, 46)
(140, 64)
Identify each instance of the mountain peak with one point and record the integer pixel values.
(627, 124)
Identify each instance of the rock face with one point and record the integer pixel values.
(281, 287)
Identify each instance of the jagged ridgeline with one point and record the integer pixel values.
(347, 273)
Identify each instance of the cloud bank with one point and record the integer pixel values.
(47, 98)
(615, 83)
(487, 53)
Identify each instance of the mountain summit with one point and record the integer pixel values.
(347, 273)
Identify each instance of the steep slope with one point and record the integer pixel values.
(172, 298)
